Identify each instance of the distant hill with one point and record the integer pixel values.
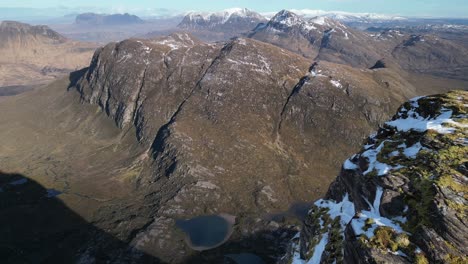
(12, 31)
(107, 20)
(34, 54)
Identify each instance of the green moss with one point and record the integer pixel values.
(420, 259)
(334, 247)
(403, 241)
(384, 238)
(447, 181)
(368, 224)
(456, 259)
(436, 166)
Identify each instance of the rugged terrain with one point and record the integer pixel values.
(158, 130)
(322, 38)
(32, 55)
(402, 198)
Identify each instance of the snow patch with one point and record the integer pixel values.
(349, 165)
(413, 151)
(336, 83)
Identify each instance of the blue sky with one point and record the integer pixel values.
(435, 8)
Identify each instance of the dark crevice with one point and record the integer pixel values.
(137, 105)
(163, 131)
(294, 91)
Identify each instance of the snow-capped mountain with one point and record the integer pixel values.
(342, 16)
(317, 37)
(242, 18)
(221, 25)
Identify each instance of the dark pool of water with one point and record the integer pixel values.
(245, 258)
(297, 210)
(205, 231)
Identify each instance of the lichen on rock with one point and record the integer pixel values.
(403, 197)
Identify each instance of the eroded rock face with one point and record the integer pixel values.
(402, 199)
(236, 128)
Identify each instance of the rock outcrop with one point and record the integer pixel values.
(403, 197)
(235, 128)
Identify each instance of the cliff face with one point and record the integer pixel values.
(236, 128)
(403, 197)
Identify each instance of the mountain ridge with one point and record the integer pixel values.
(412, 169)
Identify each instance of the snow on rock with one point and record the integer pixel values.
(412, 151)
(223, 16)
(336, 83)
(349, 165)
(319, 21)
(287, 18)
(344, 209)
(319, 249)
(381, 168)
(409, 119)
(365, 221)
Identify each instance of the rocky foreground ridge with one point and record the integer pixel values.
(402, 198)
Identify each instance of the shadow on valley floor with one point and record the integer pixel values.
(262, 247)
(37, 227)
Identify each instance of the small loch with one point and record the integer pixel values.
(207, 232)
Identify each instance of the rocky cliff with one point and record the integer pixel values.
(232, 128)
(403, 197)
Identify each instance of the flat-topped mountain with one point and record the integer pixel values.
(107, 20)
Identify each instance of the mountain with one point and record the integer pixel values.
(107, 20)
(15, 32)
(402, 198)
(221, 25)
(155, 133)
(35, 54)
(322, 38)
(319, 37)
(424, 53)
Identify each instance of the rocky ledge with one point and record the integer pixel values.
(402, 198)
